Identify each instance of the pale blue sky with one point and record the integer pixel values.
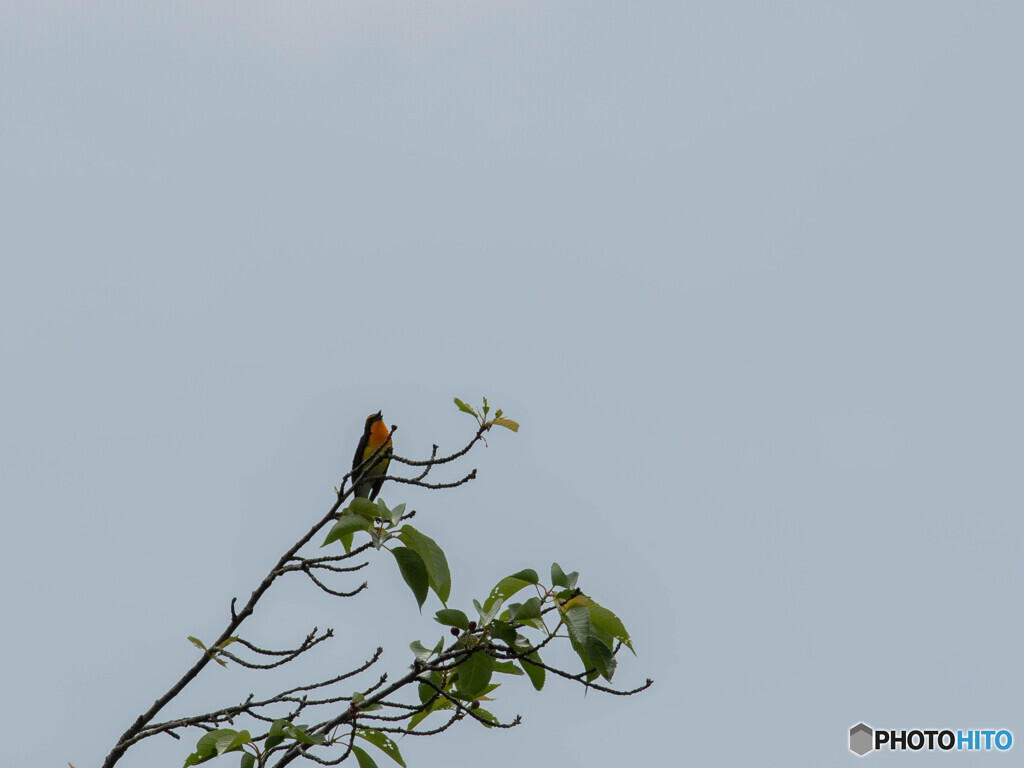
(748, 274)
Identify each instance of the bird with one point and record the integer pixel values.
(375, 434)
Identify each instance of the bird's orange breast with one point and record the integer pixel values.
(378, 434)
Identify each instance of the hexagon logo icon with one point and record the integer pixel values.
(861, 739)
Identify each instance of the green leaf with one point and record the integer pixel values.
(227, 642)
(507, 668)
(528, 610)
(299, 733)
(588, 643)
(382, 742)
(397, 512)
(487, 616)
(560, 579)
(438, 704)
(508, 424)
(474, 674)
(425, 691)
(197, 642)
(197, 757)
(487, 408)
(248, 760)
(276, 734)
(433, 557)
(535, 673)
(414, 572)
(363, 508)
(364, 760)
(483, 714)
(577, 622)
(601, 658)
(508, 586)
(465, 408)
(420, 651)
(558, 576)
(217, 743)
(528, 575)
(417, 718)
(500, 630)
(605, 620)
(346, 526)
(232, 745)
(206, 748)
(452, 617)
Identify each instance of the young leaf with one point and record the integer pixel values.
(248, 760)
(383, 743)
(507, 424)
(414, 572)
(433, 557)
(197, 642)
(574, 600)
(465, 408)
(347, 525)
(452, 617)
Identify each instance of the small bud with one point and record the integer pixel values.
(472, 626)
(455, 631)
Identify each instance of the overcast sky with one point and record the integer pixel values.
(748, 274)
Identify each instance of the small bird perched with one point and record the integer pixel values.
(375, 434)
